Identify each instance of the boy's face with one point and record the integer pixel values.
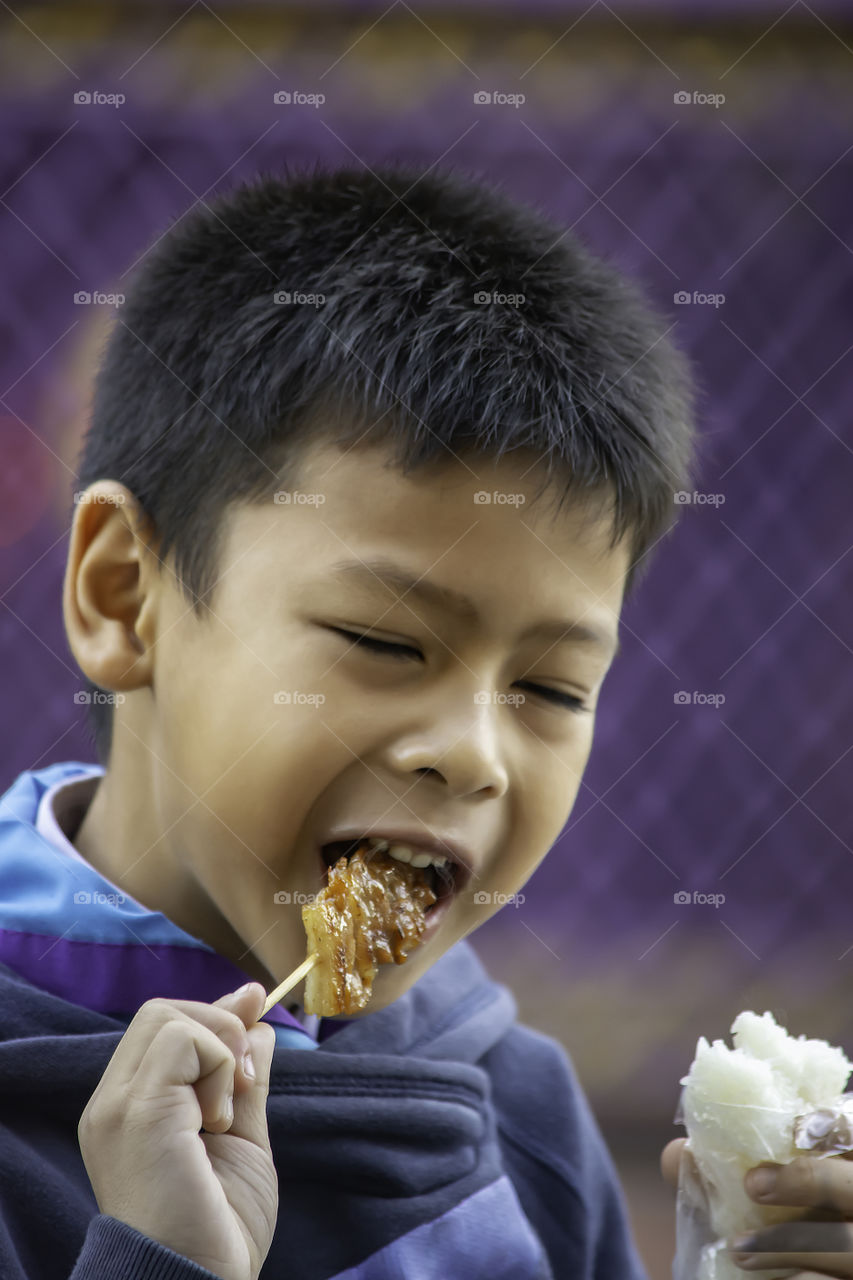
(247, 738)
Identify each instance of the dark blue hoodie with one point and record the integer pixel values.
(454, 1143)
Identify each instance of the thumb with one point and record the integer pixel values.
(250, 1105)
(670, 1160)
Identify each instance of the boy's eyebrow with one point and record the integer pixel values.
(451, 601)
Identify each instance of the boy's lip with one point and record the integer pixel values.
(435, 914)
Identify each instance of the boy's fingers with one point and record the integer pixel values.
(670, 1159)
(247, 1005)
(221, 1020)
(250, 1104)
(185, 1053)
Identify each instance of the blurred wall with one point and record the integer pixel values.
(708, 152)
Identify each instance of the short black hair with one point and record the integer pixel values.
(426, 308)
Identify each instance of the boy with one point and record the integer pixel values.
(316, 591)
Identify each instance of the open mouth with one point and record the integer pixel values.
(442, 880)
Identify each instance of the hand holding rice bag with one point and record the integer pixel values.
(770, 1098)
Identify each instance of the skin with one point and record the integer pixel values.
(163, 1152)
(821, 1243)
(215, 795)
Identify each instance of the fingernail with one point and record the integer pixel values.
(743, 1244)
(248, 1065)
(241, 991)
(229, 1109)
(761, 1182)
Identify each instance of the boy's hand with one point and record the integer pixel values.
(822, 1243)
(212, 1197)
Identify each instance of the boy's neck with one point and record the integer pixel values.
(153, 879)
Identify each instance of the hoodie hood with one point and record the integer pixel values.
(74, 934)
(389, 1122)
(433, 1138)
(402, 1148)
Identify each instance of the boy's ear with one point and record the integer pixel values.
(110, 592)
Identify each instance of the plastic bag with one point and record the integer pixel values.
(711, 1193)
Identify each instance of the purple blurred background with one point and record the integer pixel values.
(743, 788)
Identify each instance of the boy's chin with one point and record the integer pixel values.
(384, 993)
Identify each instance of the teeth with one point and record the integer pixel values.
(402, 853)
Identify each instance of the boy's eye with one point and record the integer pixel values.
(381, 646)
(567, 700)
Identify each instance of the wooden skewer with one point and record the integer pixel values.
(290, 981)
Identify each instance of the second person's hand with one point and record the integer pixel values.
(821, 1243)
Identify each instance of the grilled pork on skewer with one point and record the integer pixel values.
(371, 912)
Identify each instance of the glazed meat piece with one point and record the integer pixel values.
(372, 912)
